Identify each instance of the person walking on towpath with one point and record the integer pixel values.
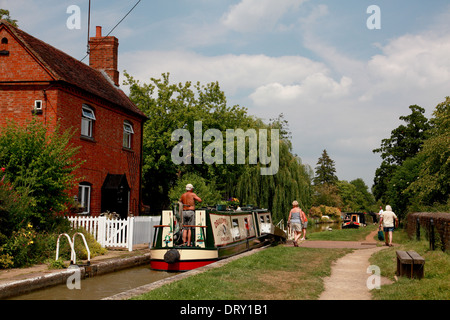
(295, 221)
(304, 223)
(387, 221)
(188, 199)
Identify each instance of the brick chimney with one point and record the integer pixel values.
(103, 54)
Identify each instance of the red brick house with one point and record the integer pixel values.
(38, 79)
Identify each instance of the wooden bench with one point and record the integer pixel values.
(410, 264)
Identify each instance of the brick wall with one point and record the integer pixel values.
(441, 226)
(18, 65)
(105, 152)
(23, 80)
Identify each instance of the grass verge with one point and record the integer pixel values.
(277, 273)
(436, 282)
(359, 234)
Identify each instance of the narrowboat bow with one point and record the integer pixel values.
(354, 220)
(216, 235)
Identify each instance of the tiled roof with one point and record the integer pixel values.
(67, 69)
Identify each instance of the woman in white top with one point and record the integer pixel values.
(388, 219)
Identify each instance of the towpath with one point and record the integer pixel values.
(348, 279)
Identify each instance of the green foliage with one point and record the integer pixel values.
(399, 197)
(433, 180)
(206, 190)
(356, 196)
(415, 172)
(327, 194)
(405, 142)
(322, 210)
(56, 264)
(26, 246)
(177, 106)
(39, 166)
(435, 285)
(4, 14)
(14, 207)
(276, 192)
(37, 170)
(325, 170)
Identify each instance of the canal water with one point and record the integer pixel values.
(100, 287)
(107, 285)
(319, 227)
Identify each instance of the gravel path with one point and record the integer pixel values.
(348, 280)
(349, 276)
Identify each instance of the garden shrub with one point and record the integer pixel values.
(36, 170)
(39, 164)
(332, 212)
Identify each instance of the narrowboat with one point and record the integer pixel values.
(353, 220)
(216, 235)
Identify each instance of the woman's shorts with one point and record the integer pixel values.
(296, 226)
(305, 224)
(387, 229)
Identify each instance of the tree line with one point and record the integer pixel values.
(414, 174)
(173, 106)
(170, 107)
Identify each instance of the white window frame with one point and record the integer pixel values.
(37, 104)
(87, 121)
(128, 133)
(84, 191)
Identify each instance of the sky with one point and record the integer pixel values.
(341, 85)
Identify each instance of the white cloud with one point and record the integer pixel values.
(315, 88)
(234, 72)
(258, 15)
(414, 64)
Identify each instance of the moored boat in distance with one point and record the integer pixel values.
(216, 235)
(353, 220)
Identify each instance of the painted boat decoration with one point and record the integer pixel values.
(216, 235)
(354, 220)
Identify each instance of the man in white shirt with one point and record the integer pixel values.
(388, 220)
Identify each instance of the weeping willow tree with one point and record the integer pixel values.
(170, 107)
(276, 192)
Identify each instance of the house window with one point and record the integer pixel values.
(87, 121)
(84, 197)
(37, 107)
(38, 104)
(127, 134)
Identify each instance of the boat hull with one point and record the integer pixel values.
(350, 225)
(179, 266)
(188, 259)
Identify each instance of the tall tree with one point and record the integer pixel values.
(178, 106)
(405, 142)
(432, 185)
(325, 170)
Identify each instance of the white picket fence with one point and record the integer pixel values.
(116, 232)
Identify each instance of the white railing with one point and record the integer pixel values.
(116, 232)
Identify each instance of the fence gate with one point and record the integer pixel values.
(118, 233)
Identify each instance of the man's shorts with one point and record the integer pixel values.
(188, 218)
